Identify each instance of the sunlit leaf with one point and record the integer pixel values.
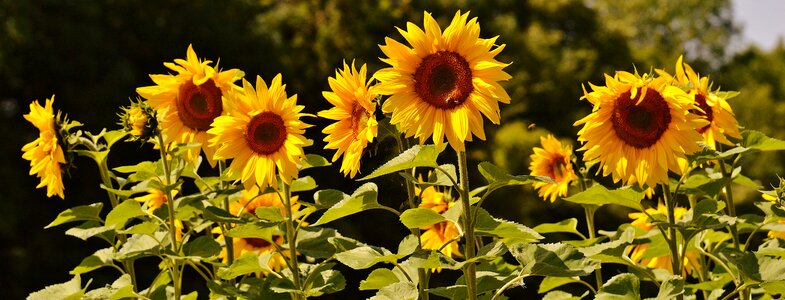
(397, 291)
(365, 257)
(203, 246)
(509, 232)
(100, 258)
(378, 279)
(497, 177)
(420, 217)
(303, 184)
(549, 283)
(312, 161)
(568, 225)
(123, 212)
(670, 288)
(598, 195)
(78, 213)
(364, 198)
(559, 260)
(71, 290)
(622, 286)
(416, 156)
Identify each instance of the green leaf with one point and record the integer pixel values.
(123, 212)
(78, 213)
(216, 214)
(497, 177)
(364, 198)
(756, 140)
(397, 291)
(71, 290)
(140, 172)
(203, 246)
(303, 184)
(416, 156)
(312, 161)
(420, 217)
(314, 242)
(271, 214)
(613, 250)
(141, 228)
(100, 258)
(141, 244)
(560, 295)
(442, 175)
(454, 292)
(408, 245)
(325, 199)
(711, 285)
(558, 260)
(598, 195)
(378, 279)
(90, 229)
(569, 226)
(112, 137)
(700, 184)
(245, 264)
(774, 287)
(671, 288)
(257, 230)
(325, 282)
(120, 289)
(509, 232)
(366, 256)
(622, 286)
(548, 283)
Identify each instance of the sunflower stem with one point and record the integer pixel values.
(469, 271)
(422, 276)
(173, 268)
(672, 238)
(224, 227)
(589, 212)
(290, 238)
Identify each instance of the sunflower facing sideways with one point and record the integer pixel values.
(552, 160)
(713, 107)
(649, 256)
(262, 134)
(356, 125)
(189, 101)
(639, 128)
(436, 236)
(444, 83)
(45, 153)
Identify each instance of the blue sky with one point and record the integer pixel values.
(763, 21)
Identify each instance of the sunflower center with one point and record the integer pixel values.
(443, 79)
(557, 169)
(641, 125)
(198, 106)
(359, 118)
(265, 133)
(257, 243)
(706, 112)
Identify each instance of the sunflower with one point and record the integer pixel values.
(139, 121)
(262, 133)
(154, 199)
(639, 253)
(45, 153)
(552, 160)
(639, 129)
(444, 82)
(354, 108)
(438, 235)
(251, 200)
(259, 247)
(712, 107)
(189, 101)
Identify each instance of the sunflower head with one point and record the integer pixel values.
(438, 236)
(555, 161)
(353, 112)
(444, 82)
(710, 106)
(154, 199)
(139, 121)
(262, 134)
(640, 253)
(48, 159)
(251, 199)
(639, 129)
(190, 100)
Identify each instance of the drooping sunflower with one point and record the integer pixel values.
(642, 254)
(444, 83)
(639, 129)
(189, 101)
(45, 153)
(356, 125)
(438, 235)
(711, 106)
(262, 134)
(555, 161)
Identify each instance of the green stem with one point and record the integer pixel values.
(731, 206)
(225, 227)
(589, 212)
(291, 238)
(469, 271)
(422, 277)
(175, 271)
(672, 237)
(508, 285)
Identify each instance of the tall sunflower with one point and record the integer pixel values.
(189, 101)
(437, 236)
(262, 134)
(555, 161)
(45, 153)
(356, 125)
(444, 82)
(711, 106)
(639, 129)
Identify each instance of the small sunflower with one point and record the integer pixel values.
(444, 83)
(354, 109)
(251, 200)
(712, 107)
(552, 160)
(639, 253)
(45, 153)
(259, 247)
(139, 121)
(262, 134)
(437, 235)
(639, 129)
(154, 199)
(189, 101)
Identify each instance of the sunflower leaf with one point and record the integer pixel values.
(416, 156)
(379, 278)
(568, 225)
(100, 258)
(671, 288)
(509, 232)
(599, 195)
(397, 291)
(364, 198)
(560, 260)
(123, 212)
(67, 290)
(622, 286)
(79, 213)
(497, 177)
(365, 256)
(420, 217)
(203, 246)
(312, 161)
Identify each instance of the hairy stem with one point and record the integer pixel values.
(173, 268)
(672, 237)
(291, 238)
(469, 271)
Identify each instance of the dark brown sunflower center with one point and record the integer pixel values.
(443, 79)
(558, 168)
(706, 112)
(265, 133)
(257, 243)
(198, 106)
(359, 118)
(641, 125)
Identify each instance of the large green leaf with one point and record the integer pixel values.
(509, 232)
(549, 283)
(379, 278)
(303, 184)
(312, 161)
(561, 295)
(613, 250)
(123, 212)
(326, 280)
(120, 289)
(756, 140)
(416, 156)
(258, 230)
(365, 256)
(100, 258)
(314, 242)
(247, 263)
(79, 213)
(141, 245)
(598, 195)
(364, 198)
(71, 290)
(558, 260)
(420, 217)
(397, 291)
(90, 229)
(497, 177)
(568, 225)
(670, 288)
(623, 286)
(203, 246)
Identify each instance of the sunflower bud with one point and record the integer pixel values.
(139, 121)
